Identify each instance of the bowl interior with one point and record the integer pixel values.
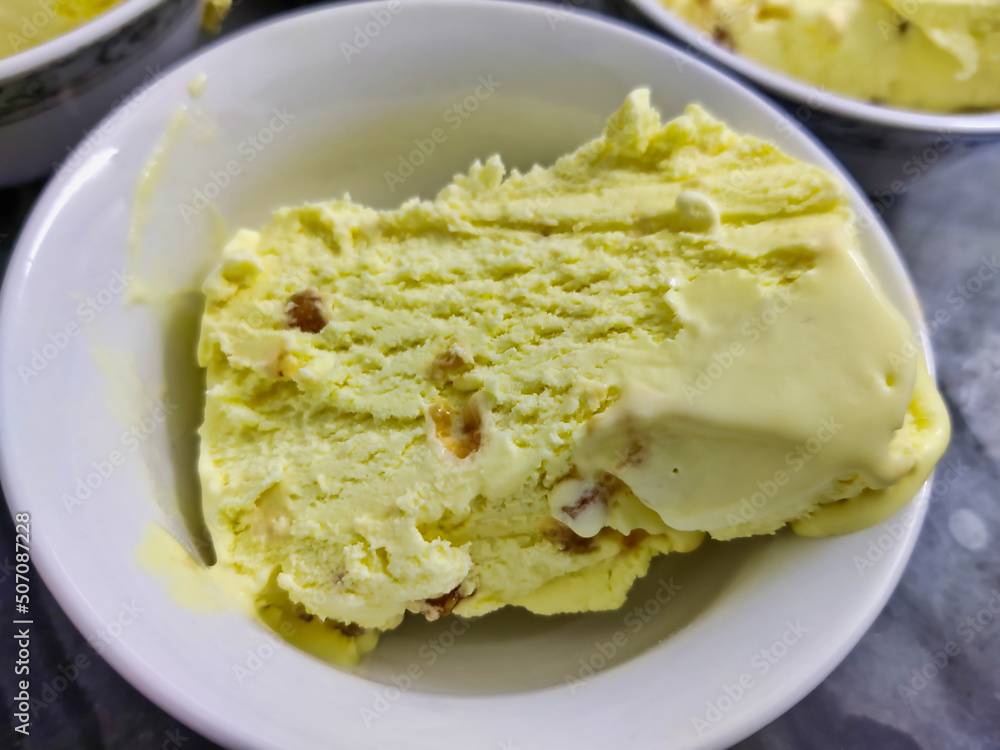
(102, 397)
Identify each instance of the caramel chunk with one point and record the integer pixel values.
(304, 311)
(450, 361)
(461, 433)
(443, 605)
(594, 491)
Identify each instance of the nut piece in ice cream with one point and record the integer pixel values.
(460, 432)
(448, 364)
(439, 606)
(305, 311)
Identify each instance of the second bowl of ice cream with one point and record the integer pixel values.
(893, 88)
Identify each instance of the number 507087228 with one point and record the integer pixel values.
(22, 560)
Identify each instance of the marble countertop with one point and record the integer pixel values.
(947, 226)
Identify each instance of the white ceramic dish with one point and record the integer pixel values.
(52, 94)
(776, 614)
(885, 148)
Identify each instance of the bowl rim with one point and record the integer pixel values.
(225, 730)
(72, 41)
(698, 44)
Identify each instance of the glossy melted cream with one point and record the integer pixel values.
(219, 588)
(770, 404)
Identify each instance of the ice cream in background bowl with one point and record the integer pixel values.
(265, 133)
(26, 23)
(892, 88)
(922, 55)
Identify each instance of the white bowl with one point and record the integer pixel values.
(52, 94)
(887, 149)
(70, 399)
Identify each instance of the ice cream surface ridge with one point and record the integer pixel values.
(522, 391)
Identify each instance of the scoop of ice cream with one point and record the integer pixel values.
(486, 399)
(939, 55)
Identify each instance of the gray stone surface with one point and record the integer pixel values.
(948, 227)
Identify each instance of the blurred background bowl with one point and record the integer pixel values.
(53, 94)
(886, 149)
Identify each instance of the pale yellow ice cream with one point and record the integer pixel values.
(938, 55)
(27, 23)
(522, 391)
